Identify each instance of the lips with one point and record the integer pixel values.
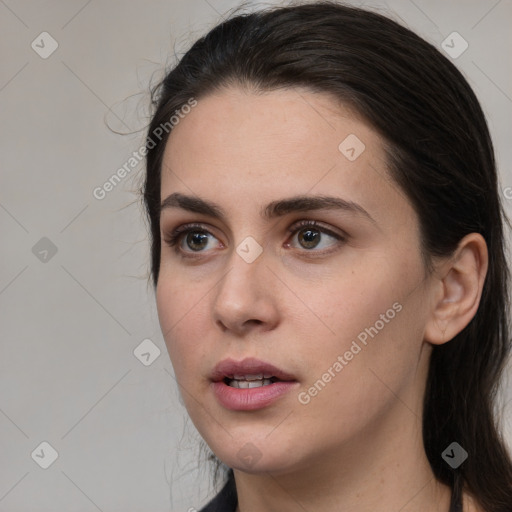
(250, 384)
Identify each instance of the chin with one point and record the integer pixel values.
(258, 457)
(262, 466)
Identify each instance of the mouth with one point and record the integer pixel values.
(250, 381)
(249, 373)
(249, 384)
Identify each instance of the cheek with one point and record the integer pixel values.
(354, 300)
(375, 311)
(373, 374)
(182, 316)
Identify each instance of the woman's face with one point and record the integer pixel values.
(336, 310)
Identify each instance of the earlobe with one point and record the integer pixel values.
(457, 290)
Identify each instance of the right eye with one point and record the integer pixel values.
(190, 239)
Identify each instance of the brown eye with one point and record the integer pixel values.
(309, 238)
(196, 240)
(309, 235)
(191, 238)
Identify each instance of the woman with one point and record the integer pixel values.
(329, 265)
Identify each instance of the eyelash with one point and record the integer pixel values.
(174, 238)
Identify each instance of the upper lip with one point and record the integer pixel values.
(228, 368)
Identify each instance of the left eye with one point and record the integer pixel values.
(311, 236)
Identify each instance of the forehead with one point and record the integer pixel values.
(287, 123)
(242, 146)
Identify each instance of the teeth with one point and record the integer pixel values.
(258, 376)
(248, 383)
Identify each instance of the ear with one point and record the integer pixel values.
(456, 289)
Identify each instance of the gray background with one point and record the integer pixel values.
(70, 321)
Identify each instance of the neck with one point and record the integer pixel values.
(383, 469)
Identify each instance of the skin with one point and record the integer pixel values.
(357, 445)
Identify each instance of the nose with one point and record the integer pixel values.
(245, 297)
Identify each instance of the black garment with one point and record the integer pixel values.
(227, 501)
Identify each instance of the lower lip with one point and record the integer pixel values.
(250, 399)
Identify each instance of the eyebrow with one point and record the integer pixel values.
(273, 210)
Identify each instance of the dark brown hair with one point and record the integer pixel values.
(439, 153)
